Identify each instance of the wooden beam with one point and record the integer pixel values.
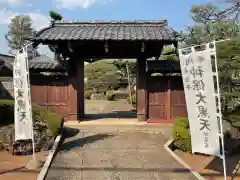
(116, 49)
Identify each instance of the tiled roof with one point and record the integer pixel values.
(45, 62)
(40, 62)
(47, 65)
(5, 58)
(107, 30)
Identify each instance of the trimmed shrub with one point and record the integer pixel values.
(181, 134)
(110, 95)
(88, 93)
(101, 76)
(6, 112)
(53, 120)
(40, 115)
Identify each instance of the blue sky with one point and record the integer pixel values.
(176, 12)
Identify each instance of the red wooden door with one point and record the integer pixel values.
(51, 93)
(157, 99)
(178, 104)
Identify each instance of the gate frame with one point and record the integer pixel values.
(106, 39)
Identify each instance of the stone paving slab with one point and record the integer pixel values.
(92, 154)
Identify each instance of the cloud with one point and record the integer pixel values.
(70, 4)
(5, 16)
(11, 2)
(39, 20)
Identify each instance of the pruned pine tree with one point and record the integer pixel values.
(55, 16)
(20, 30)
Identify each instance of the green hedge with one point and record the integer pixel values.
(181, 134)
(40, 114)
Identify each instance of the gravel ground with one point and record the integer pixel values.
(114, 153)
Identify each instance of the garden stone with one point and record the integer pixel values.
(231, 138)
(226, 126)
(229, 130)
(48, 145)
(1, 145)
(97, 97)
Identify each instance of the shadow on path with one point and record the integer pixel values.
(231, 163)
(115, 114)
(66, 146)
(20, 169)
(70, 132)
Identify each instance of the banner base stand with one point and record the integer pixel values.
(34, 164)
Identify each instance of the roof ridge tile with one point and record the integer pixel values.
(127, 22)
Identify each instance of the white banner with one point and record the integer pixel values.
(22, 111)
(200, 98)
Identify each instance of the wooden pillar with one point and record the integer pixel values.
(80, 87)
(76, 89)
(72, 103)
(141, 89)
(175, 44)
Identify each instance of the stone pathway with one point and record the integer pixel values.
(99, 109)
(110, 153)
(104, 106)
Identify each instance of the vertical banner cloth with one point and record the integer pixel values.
(22, 110)
(200, 98)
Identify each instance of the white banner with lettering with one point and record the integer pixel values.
(200, 98)
(23, 110)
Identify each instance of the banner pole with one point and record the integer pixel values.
(220, 114)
